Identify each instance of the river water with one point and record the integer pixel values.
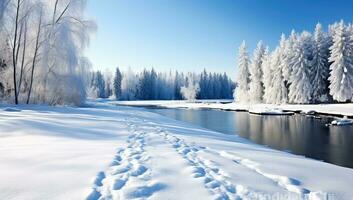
(298, 134)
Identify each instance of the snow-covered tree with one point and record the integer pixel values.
(191, 89)
(287, 57)
(108, 84)
(267, 76)
(129, 85)
(277, 92)
(241, 93)
(117, 83)
(46, 40)
(300, 89)
(256, 86)
(99, 84)
(320, 65)
(341, 75)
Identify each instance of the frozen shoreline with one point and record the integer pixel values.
(128, 153)
(338, 110)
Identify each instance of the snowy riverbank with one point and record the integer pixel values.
(329, 109)
(129, 153)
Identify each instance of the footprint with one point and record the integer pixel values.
(213, 184)
(197, 172)
(94, 195)
(97, 182)
(121, 168)
(118, 184)
(139, 170)
(145, 191)
(290, 184)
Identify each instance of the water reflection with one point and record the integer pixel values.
(298, 134)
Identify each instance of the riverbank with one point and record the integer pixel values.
(337, 110)
(119, 152)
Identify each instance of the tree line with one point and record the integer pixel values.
(41, 51)
(304, 68)
(152, 85)
(42, 61)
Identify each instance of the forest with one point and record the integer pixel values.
(152, 85)
(304, 68)
(42, 60)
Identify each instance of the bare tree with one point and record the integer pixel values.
(36, 49)
(23, 56)
(15, 49)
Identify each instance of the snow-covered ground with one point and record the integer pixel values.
(334, 109)
(103, 152)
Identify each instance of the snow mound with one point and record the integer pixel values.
(309, 112)
(9, 109)
(269, 111)
(342, 122)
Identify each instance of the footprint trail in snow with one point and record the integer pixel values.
(128, 176)
(215, 179)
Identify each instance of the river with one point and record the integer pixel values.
(298, 134)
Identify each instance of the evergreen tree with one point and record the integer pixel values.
(144, 87)
(100, 84)
(277, 91)
(108, 84)
(152, 85)
(287, 58)
(320, 65)
(256, 86)
(241, 92)
(300, 89)
(203, 94)
(341, 75)
(129, 85)
(267, 75)
(177, 84)
(117, 83)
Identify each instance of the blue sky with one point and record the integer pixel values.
(190, 35)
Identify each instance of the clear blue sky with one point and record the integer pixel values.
(190, 35)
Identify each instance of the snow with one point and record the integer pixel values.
(8, 109)
(345, 109)
(105, 151)
(269, 111)
(342, 122)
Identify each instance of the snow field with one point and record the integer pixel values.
(109, 152)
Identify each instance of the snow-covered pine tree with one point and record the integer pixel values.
(341, 75)
(256, 86)
(108, 78)
(278, 92)
(203, 85)
(117, 83)
(288, 59)
(267, 75)
(129, 85)
(242, 90)
(100, 84)
(320, 65)
(300, 89)
(144, 86)
(286, 54)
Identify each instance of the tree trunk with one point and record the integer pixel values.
(14, 60)
(23, 58)
(35, 56)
